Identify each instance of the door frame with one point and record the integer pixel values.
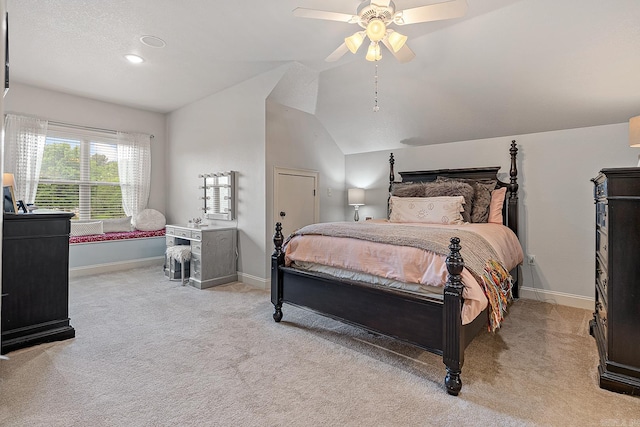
(301, 172)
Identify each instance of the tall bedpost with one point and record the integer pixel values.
(277, 259)
(513, 189)
(453, 347)
(392, 178)
(512, 218)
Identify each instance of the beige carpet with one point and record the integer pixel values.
(149, 352)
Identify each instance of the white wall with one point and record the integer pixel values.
(62, 107)
(297, 140)
(557, 217)
(224, 131)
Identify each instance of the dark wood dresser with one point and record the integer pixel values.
(616, 320)
(35, 280)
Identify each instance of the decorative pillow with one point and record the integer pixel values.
(407, 189)
(86, 228)
(482, 189)
(116, 225)
(149, 220)
(495, 208)
(433, 210)
(436, 189)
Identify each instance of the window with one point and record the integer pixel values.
(96, 174)
(79, 174)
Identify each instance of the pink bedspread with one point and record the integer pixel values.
(406, 264)
(115, 236)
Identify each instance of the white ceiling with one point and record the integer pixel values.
(508, 67)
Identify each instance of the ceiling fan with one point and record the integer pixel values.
(375, 16)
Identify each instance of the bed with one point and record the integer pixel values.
(438, 321)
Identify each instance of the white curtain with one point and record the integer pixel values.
(24, 146)
(134, 170)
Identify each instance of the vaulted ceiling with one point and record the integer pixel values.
(507, 67)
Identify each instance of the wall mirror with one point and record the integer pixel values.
(219, 195)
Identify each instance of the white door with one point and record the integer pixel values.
(296, 199)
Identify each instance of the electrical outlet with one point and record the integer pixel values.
(531, 259)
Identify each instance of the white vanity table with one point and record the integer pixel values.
(213, 253)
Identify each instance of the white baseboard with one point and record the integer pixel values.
(114, 266)
(554, 297)
(254, 281)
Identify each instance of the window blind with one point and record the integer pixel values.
(79, 173)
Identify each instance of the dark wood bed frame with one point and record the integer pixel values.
(426, 322)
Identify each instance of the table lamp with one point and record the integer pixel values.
(356, 199)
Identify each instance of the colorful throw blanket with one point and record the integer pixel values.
(479, 256)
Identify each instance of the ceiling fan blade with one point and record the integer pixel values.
(432, 12)
(405, 54)
(337, 54)
(322, 14)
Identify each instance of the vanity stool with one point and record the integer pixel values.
(181, 254)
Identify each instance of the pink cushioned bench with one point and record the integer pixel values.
(115, 236)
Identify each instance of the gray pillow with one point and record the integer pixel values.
(482, 195)
(407, 189)
(452, 188)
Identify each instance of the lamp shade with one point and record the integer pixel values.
(396, 40)
(356, 196)
(634, 132)
(376, 30)
(8, 180)
(354, 41)
(373, 53)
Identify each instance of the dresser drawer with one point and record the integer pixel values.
(196, 247)
(196, 235)
(602, 244)
(600, 189)
(601, 317)
(602, 272)
(171, 241)
(602, 214)
(180, 232)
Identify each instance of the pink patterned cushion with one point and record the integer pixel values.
(495, 208)
(116, 236)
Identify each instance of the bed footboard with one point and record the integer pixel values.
(433, 325)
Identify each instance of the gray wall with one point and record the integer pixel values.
(297, 140)
(556, 201)
(224, 131)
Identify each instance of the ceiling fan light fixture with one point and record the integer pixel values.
(373, 53)
(396, 40)
(376, 30)
(354, 41)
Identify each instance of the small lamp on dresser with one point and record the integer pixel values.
(356, 199)
(634, 133)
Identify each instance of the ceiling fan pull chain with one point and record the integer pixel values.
(375, 105)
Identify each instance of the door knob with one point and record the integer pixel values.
(282, 214)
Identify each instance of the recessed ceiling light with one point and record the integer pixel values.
(153, 41)
(134, 59)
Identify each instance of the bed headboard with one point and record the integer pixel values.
(510, 208)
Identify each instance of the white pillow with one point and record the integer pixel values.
(86, 228)
(149, 220)
(432, 210)
(116, 225)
